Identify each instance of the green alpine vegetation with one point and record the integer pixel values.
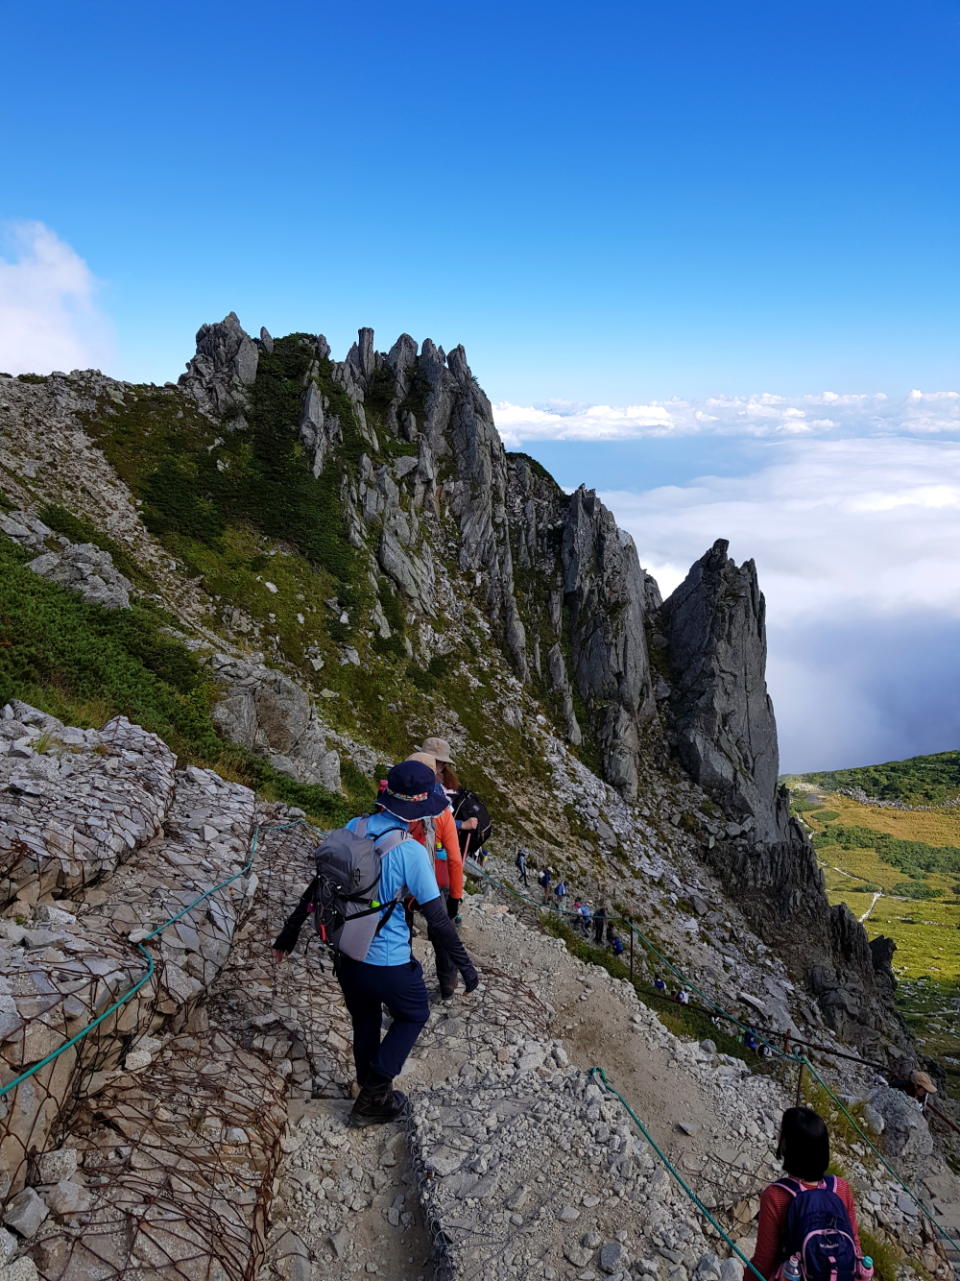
(919, 780)
(85, 664)
(911, 857)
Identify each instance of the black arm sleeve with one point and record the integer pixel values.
(440, 929)
(286, 940)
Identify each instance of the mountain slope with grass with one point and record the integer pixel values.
(917, 781)
(898, 871)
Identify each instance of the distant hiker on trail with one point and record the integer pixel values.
(599, 920)
(617, 945)
(522, 867)
(659, 984)
(545, 881)
(586, 916)
(560, 893)
(809, 1213)
(372, 952)
(918, 1085)
(750, 1041)
(682, 997)
(611, 933)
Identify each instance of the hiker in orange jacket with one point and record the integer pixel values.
(447, 859)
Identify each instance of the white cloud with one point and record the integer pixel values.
(49, 314)
(757, 416)
(854, 539)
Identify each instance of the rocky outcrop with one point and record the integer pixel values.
(723, 728)
(269, 713)
(726, 735)
(588, 647)
(82, 567)
(222, 371)
(85, 569)
(603, 597)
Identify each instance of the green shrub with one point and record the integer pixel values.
(915, 890)
(887, 1259)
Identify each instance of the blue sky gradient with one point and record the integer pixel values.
(627, 200)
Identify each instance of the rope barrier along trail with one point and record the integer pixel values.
(598, 1075)
(138, 938)
(801, 1061)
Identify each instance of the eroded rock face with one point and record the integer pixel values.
(714, 624)
(722, 721)
(223, 370)
(269, 713)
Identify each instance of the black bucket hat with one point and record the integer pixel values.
(412, 792)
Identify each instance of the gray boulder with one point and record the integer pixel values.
(906, 1134)
(85, 569)
(268, 713)
(26, 529)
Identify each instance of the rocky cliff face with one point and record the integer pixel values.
(722, 722)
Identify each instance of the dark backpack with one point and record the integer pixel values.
(347, 910)
(818, 1229)
(466, 805)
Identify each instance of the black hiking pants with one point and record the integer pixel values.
(366, 989)
(447, 972)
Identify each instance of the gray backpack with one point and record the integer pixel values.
(347, 910)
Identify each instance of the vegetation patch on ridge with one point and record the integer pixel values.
(84, 664)
(918, 780)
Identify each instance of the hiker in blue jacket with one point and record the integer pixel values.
(389, 975)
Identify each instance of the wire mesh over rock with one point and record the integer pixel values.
(71, 813)
(67, 963)
(175, 1169)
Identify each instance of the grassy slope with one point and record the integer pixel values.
(919, 780)
(85, 664)
(927, 933)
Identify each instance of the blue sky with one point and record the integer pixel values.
(601, 202)
(662, 232)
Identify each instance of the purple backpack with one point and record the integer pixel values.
(818, 1230)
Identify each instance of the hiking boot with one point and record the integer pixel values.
(447, 993)
(377, 1104)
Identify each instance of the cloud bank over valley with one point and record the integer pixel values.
(825, 413)
(856, 543)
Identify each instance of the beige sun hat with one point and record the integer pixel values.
(425, 758)
(438, 748)
(925, 1082)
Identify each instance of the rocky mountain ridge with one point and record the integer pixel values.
(415, 549)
